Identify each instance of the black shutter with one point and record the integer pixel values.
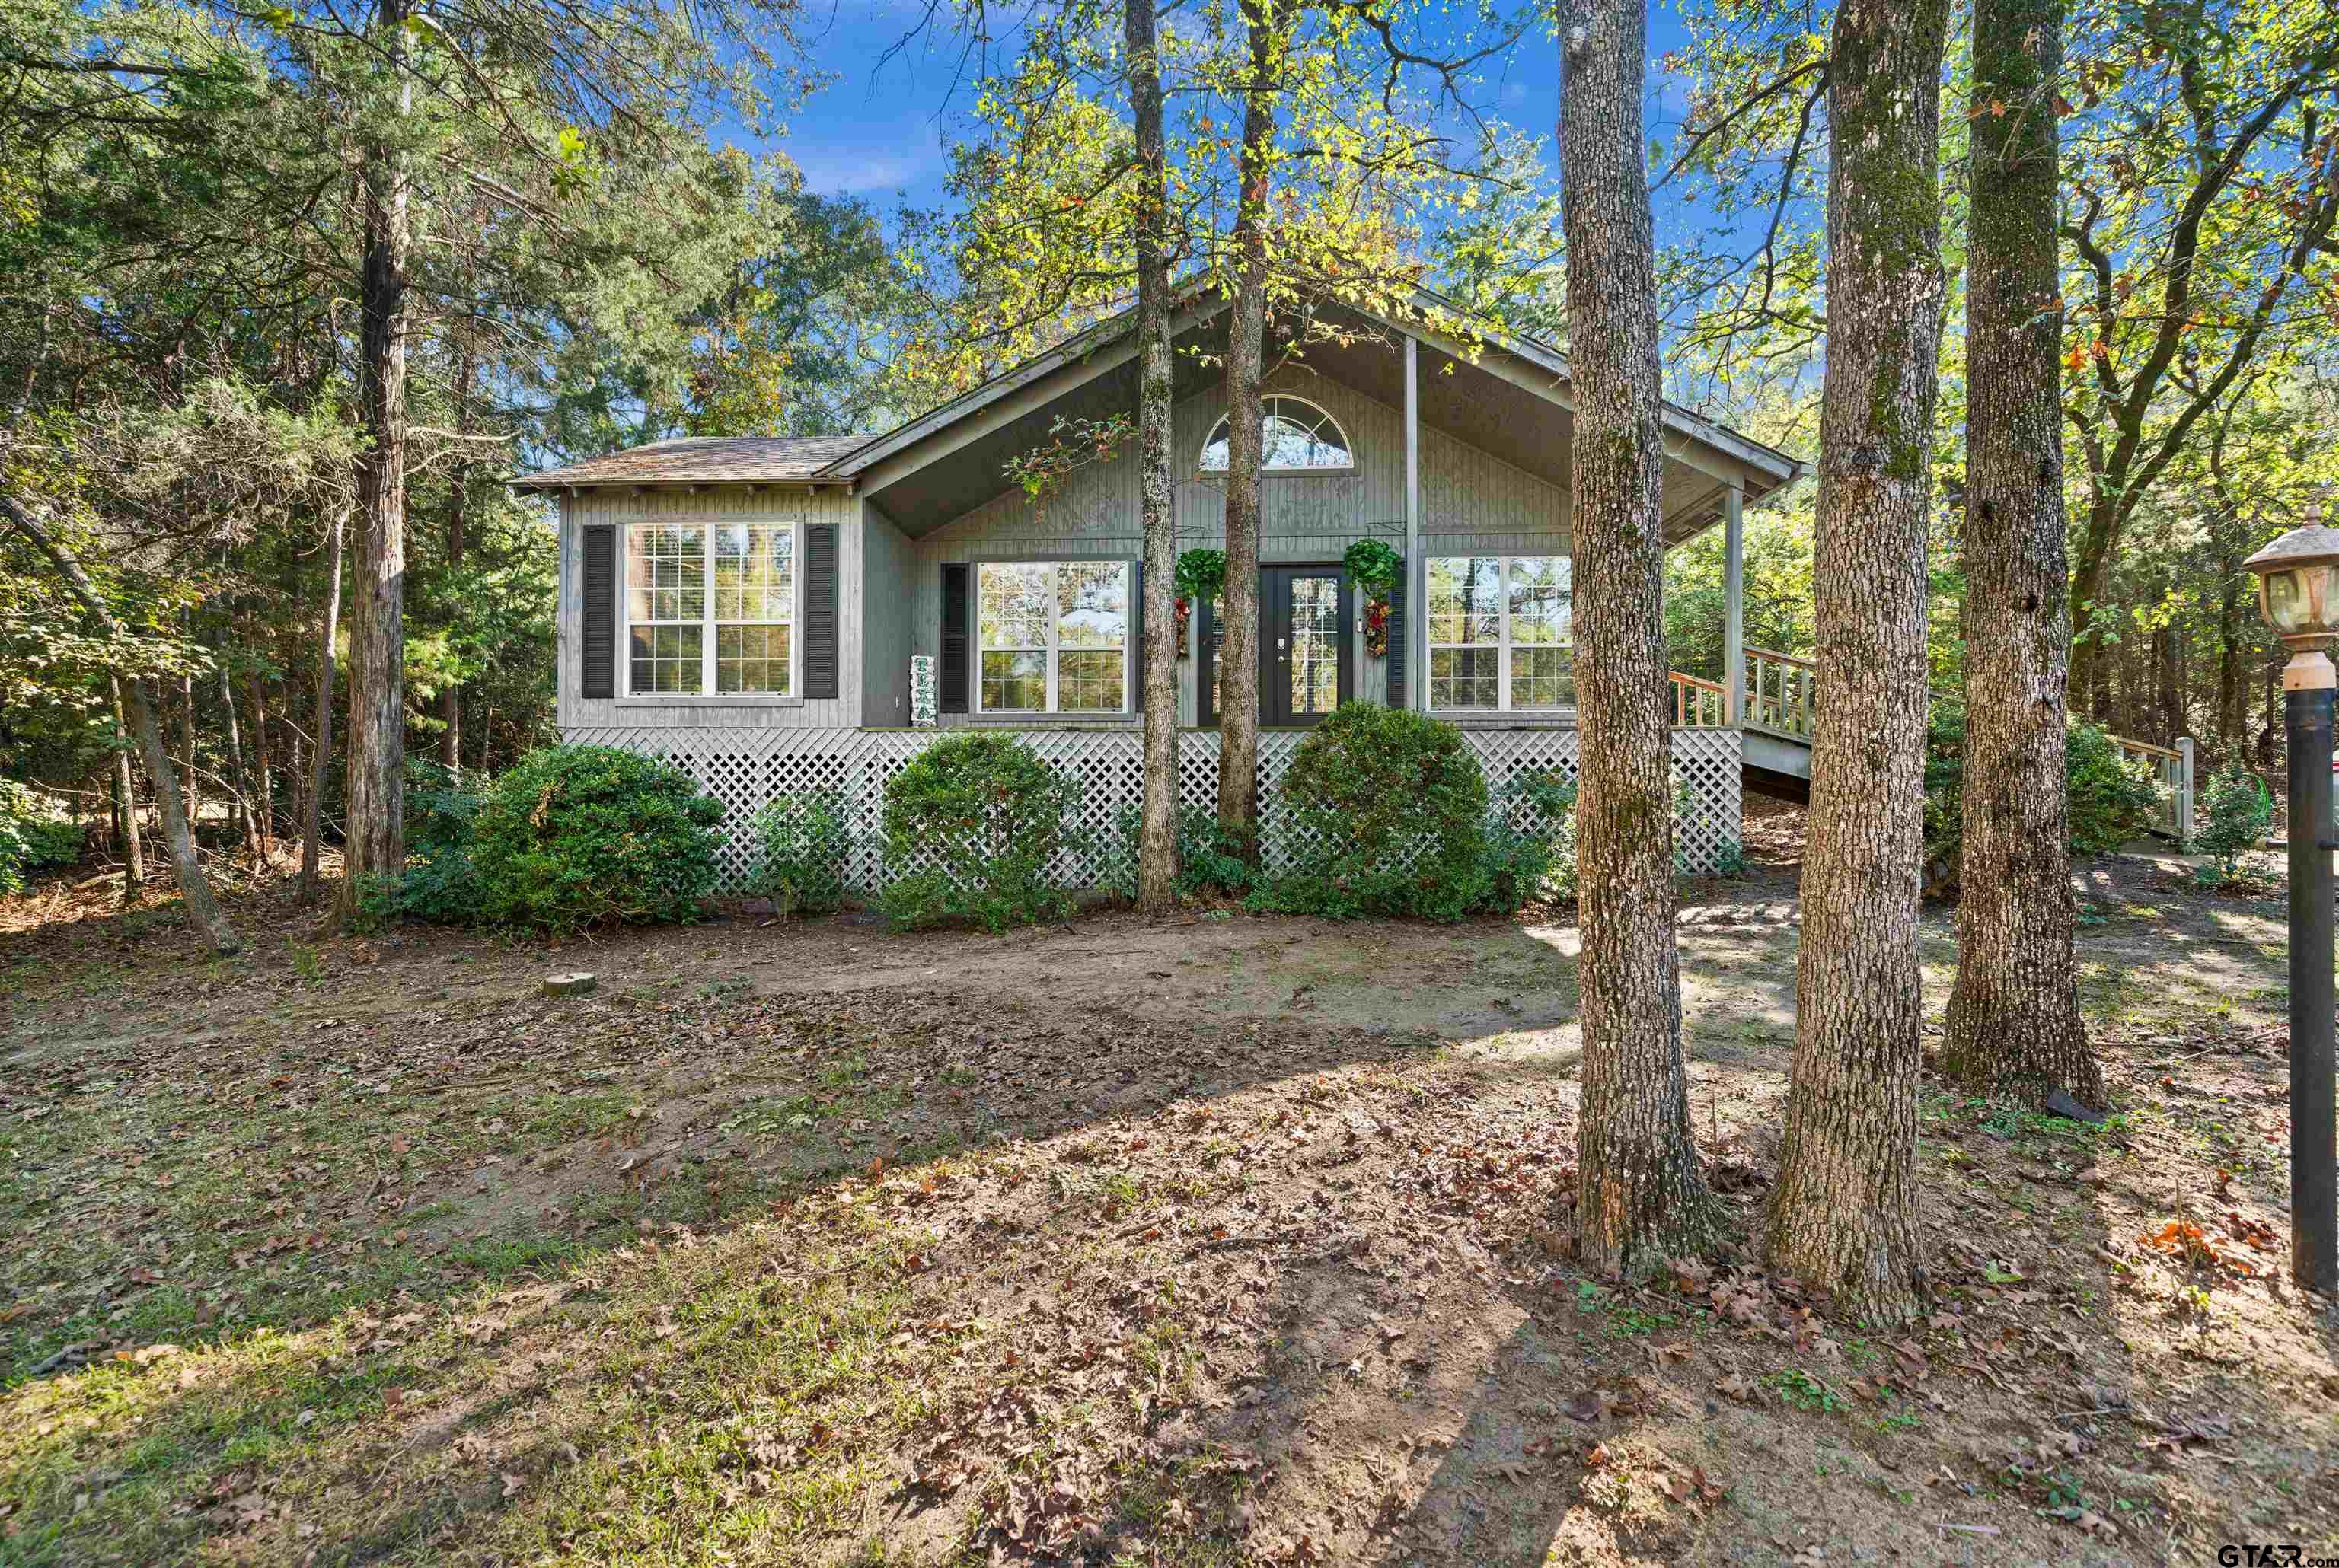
(599, 677)
(955, 595)
(1397, 639)
(820, 610)
(1137, 616)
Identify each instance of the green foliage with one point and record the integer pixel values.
(1209, 856)
(803, 841)
(1391, 807)
(31, 838)
(1529, 853)
(991, 816)
(577, 836)
(2112, 799)
(1373, 567)
(2241, 815)
(1201, 574)
(439, 885)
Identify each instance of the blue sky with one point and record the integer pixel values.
(879, 132)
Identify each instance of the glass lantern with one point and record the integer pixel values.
(2298, 585)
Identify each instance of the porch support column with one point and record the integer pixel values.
(1734, 600)
(1416, 576)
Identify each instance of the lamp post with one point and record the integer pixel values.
(2298, 592)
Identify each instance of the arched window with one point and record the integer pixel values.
(1300, 439)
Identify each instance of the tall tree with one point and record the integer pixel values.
(1640, 1198)
(1157, 860)
(1237, 660)
(2014, 1018)
(1844, 1214)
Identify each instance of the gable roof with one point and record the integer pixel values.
(706, 460)
(841, 460)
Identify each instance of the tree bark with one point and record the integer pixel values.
(458, 500)
(374, 843)
(1843, 1215)
(2014, 1024)
(133, 849)
(237, 778)
(1640, 1198)
(1238, 663)
(1157, 848)
(266, 786)
(312, 802)
(193, 890)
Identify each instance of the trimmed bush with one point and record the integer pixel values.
(1529, 854)
(30, 838)
(990, 816)
(577, 836)
(1391, 808)
(802, 842)
(437, 885)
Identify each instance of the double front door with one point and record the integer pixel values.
(1306, 655)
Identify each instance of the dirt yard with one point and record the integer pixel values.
(1228, 1240)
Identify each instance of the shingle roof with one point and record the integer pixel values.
(706, 459)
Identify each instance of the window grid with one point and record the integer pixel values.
(1052, 636)
(1298, 438)
(1516, 656)
(724, 624)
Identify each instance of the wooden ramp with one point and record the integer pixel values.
(1776, 726)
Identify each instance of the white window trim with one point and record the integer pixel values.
(707, 696)
(1502, 645)
(1053, 709)
(1225, 425)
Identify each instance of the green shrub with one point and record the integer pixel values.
(30, 837)
(576, 836)
(803, 841)
(2241, 815)
(1390, 808)
(1209, 856)
(437, 885)
(990, 817)
(1528, 855)
(2112, 799)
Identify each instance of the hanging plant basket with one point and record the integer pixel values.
(1375, 568)
(1201, 574)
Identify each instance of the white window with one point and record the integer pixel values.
(1298, 438)
(1500, 639)
(1055, 636)
(711, 607)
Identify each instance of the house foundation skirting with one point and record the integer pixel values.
(746, 769)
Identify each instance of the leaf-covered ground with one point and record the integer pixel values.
(1227, 1240)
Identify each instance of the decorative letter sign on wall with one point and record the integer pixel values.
(923, 691)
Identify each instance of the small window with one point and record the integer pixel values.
(1055, 636)
(710, 608)
(1300, 437)
(1500, 634)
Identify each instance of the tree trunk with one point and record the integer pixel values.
(1238, 661)
(2014, 1024)
(2091, 657)
(374, 843)
(313, 805)
(458, 500)
(202, 907)
(260, 764)
(1157, 846)
(1843, 1216)
(133, 847)
(1640, 1198)
(237, 778)
(187, 790)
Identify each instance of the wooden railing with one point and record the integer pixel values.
(1698, 705)
(2172, 770)
(1779, 693)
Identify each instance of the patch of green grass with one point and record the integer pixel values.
(563, 1117)
(1805, 1392)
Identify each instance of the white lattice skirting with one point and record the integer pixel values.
(746, 769)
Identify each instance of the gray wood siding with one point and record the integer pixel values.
(1471, 504)
(714, 504)
(889, 563)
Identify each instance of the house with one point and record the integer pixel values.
(752, 607)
